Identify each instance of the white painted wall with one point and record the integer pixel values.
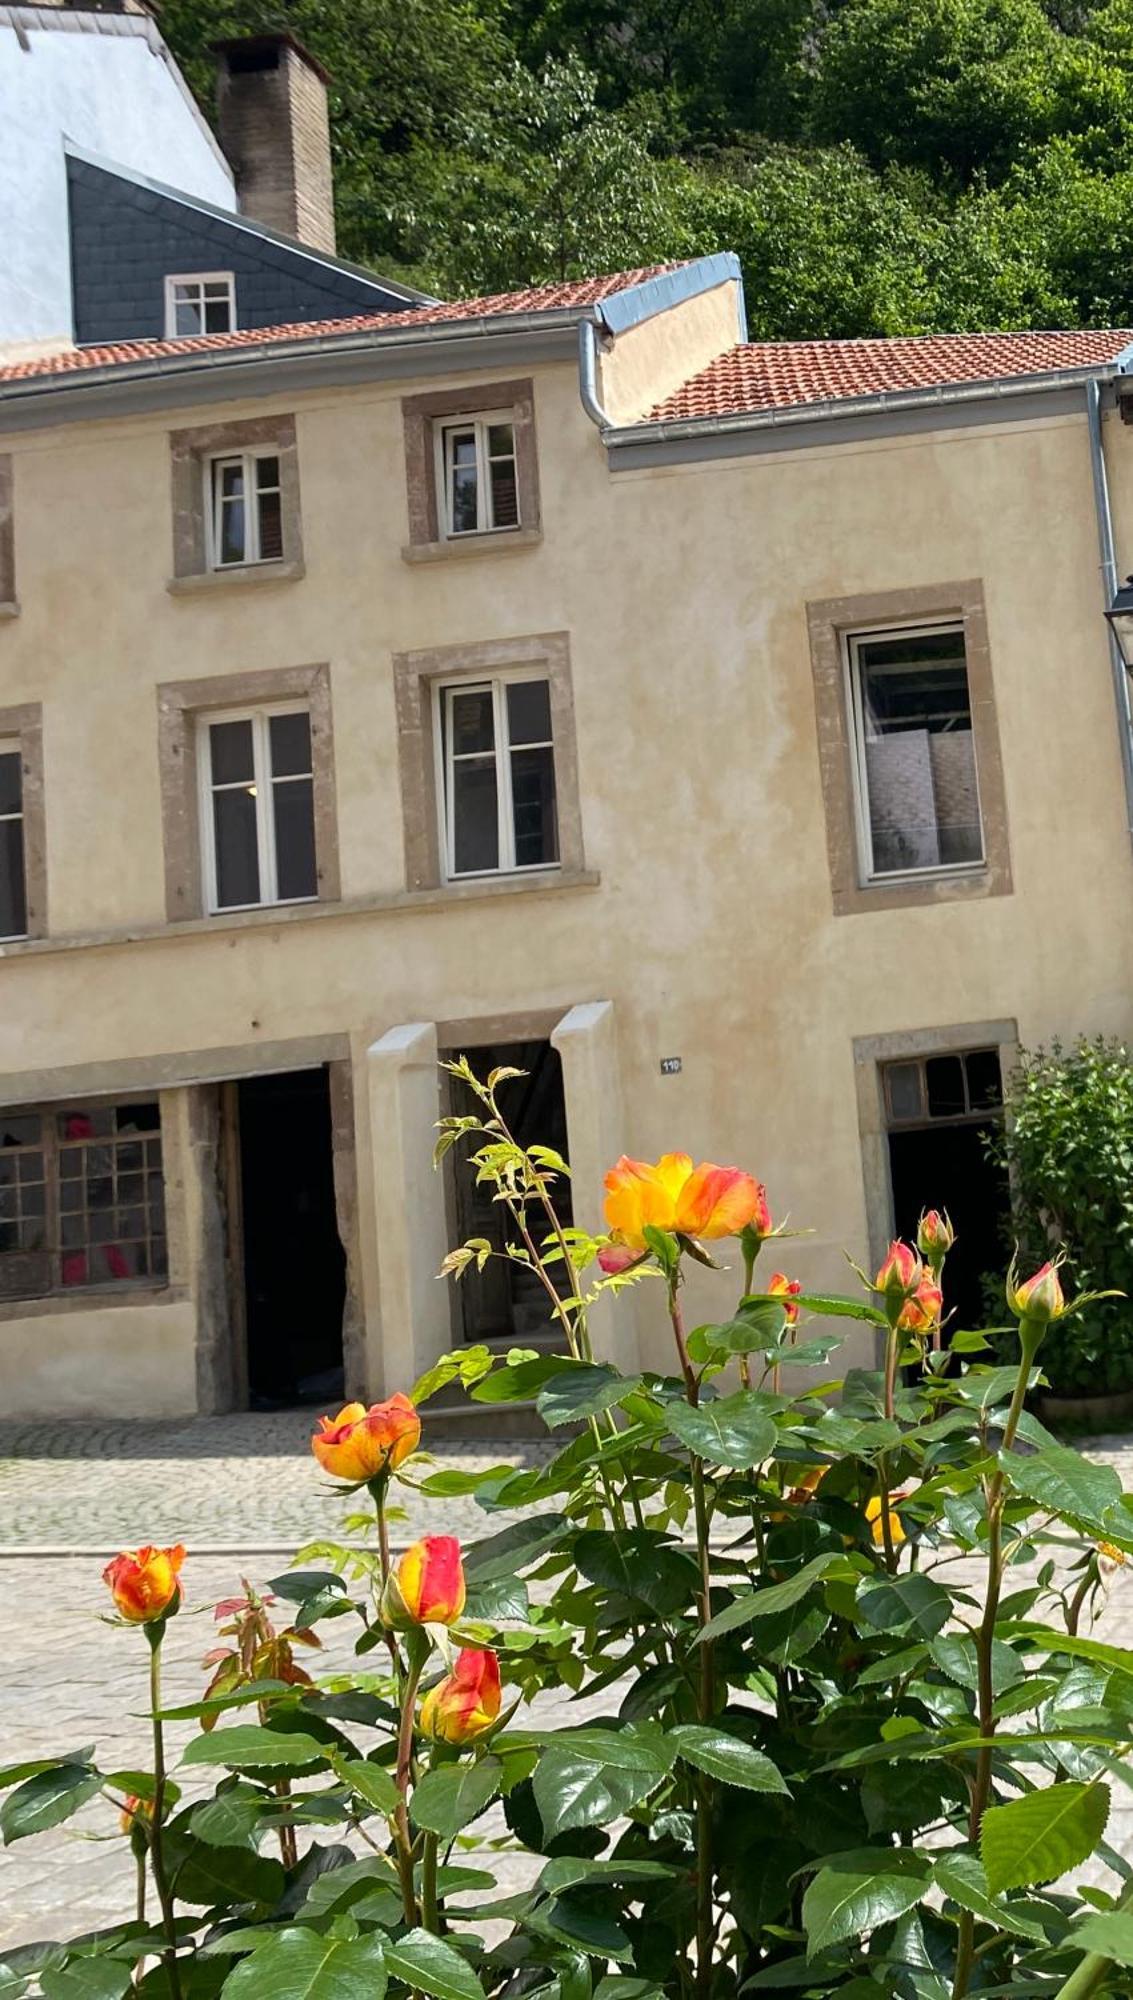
(107, 83)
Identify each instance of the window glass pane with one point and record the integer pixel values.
(231, 533)
(476, 838)
(528, 712)
(84, 1124)
(271, 527)
(230, 753)
(919, 754)
(290, 738)
(237, 850)
(267, 474)
(13, 896)
(138, 1118)
(903, 1084)
(295, 838)
(944, 1080)
(19, 1129)
(533, 805)
(501, 441)
(187, 310)
(11, 781)
(505, 494)
(463, 483)
(471, 721)
(985, 1081)
(218, 309)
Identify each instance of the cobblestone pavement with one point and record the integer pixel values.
(245, 1481)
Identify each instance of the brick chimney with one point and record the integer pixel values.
(275, 130)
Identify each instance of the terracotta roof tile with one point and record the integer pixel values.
(770, 375)
(573, 294)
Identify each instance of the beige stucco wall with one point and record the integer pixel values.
(683, 591)
(643, 365)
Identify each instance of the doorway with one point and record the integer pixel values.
(289, 1260)
(940, 1110)
(505, 1302)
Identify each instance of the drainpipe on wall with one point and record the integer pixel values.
(588, 374)
(1109, 586)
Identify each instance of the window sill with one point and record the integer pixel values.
(501, 542)
(43, 1305)
(9, 608)
(232, 579)
(279, 916)
(910, 891)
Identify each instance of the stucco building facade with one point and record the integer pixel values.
(515, 705)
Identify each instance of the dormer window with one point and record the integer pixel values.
(201, 302)
(478, 478)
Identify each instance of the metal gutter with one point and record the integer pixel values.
(1108, 566)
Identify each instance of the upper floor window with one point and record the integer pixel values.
(201, 302)
(477, 475)
(257, 807)
(82, 1198)
(13, 877)
(246, 509)
(498, 775)
(917, 790)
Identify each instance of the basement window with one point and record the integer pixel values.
(82, 1199)
(204, 302)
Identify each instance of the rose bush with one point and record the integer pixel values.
(847, 1732)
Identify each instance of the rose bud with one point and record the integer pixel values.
(873, 1514)
(1039, 1299)
(427, 1586)
(921, 1313)
(935, 1236)
(133, 1810)
(614, 1258)
(704, 1201)
(466, 1702)
(143, 1583)
(362, 1443)
(786, 1289)
(898, 1278)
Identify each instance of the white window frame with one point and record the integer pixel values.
(264, 783)
(505, 811)
(10, 746)
(200, 278)
(868, 875)
(248, 461)
(479, 422)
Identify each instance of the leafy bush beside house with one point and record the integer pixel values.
(1067, 1146)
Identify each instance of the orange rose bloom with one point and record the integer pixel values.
(427, 1587)
(466, 1702)
(143, 1582)
(786, 1289)
(674, 1195)
(361, 1442)
(921, 1313)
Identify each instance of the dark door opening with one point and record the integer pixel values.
(506, 1301)
(294, 1269)
(940, 1109)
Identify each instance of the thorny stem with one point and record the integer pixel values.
(430, 1912)
(417, 1660)
(706, 1696)
(155, 1635)
(1074, 1608)
(995, 1494)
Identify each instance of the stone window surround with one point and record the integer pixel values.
(420, 416)
(830, 622)
(871, 1053)
(415, 677)
(190, 453)
(8, 603)
(180, 704)
(23, 724)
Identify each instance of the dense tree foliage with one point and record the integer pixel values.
(881, 166)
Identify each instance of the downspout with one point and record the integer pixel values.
(1109, 586)
(588, 374)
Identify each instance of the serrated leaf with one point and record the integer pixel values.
(584, 1389)
(963, 1878)
(831, 1305)
(201, 1873)
(46, 1799)
(778, 1597)
(574, 1791)
(429, 1965)
(568, 1871)
(371, 1782)
(297, 1584)
(1038, 1837)
(1109, 1933)
(448, 1797)
(250, 1746)
(726, 1757)
(298, 1964)
(909, 1603)
(86, 1979)
(1061, 1480)
(512, 1549)
(734, 1431)
(638, 1563)
(854, 1893)
(17, 1774)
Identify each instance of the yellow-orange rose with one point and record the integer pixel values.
(466, 1702)
(360, 1443)
(143, 1582)
(673, 1195)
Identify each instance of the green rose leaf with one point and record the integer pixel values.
(520, 1381)
(570, 1872)
(296, 1585)
(1109, 1933)
(250, 1746)
(86, 1979)
(584, 1389)
(512, 1549)
(780, 1596)
(963, 1878)
(301, 1965)
(831, 1305)
(1036, 1838)
(638, 1563)
(572, 1790)
(17, 1774)
(46, 1799)
(447, 1798)
(735, 1431)
(1063, 1481)
(201, 1873)
(726, 1757)
(371, 1782)
(905, 1603)
(429, 1965)
(856, 1892)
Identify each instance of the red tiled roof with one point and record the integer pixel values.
(771, 375)
(574, 294)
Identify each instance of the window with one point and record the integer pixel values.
(13, 879)
(477, 476)
(498, 782)
(932, 1089)
(257, 808)
(82, 1199)
(914, 752)
(204, 302)
(245, 509)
